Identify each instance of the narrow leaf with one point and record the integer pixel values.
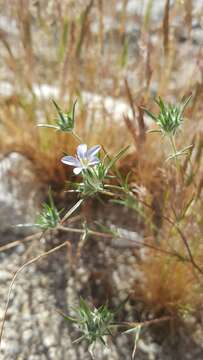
(72, 210)
(116, 158)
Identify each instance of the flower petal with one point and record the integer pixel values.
(77, 170)
(93, 161)
(70, 160)
(82, 151)
(93, 150)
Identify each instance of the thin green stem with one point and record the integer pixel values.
(147, 322)
(113, 187)
(173, 145)
(48, 126)
(108, 193)
(77, 137)
(111, 236)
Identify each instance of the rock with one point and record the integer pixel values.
(14, 349)
(27, 335)
(4, 276)
(152, 349)
(19, 195)
(140, 8)
(49, 340)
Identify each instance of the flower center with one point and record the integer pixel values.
(84, 162)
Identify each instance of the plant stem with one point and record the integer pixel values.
(77, 137)
(109, 193)
(147, 322)
(183, 237)
(111, 236)
(48, 126)
(173, 145)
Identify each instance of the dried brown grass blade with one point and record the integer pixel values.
(166, 28)
(132, 129)
(101, 24)
(188, 13)
(24, 18)
(199, 189)
(11, 61)
(147, 15)
(138, 136)
(141, 123)
(130, 97)
(83, 29)
(188, 158)
(148, 66)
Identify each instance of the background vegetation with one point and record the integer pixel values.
(115, 57)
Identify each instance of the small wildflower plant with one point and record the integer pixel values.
(169, 121)
(49, 217)
(98, 175)
(93, 323)
(65, 121)
(170, 117)
(94, 172)
(84, 159)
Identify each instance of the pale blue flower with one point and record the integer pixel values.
(84, 159)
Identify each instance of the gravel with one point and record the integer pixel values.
(35, 331)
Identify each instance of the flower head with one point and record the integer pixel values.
(170, 116)
(84, 158)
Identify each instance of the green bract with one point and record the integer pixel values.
(93, 323)
(49, 217)
(65, 120)
(170, 116)
(93, 178)
(93, 181)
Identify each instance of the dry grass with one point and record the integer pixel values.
(69, 46)
(45, 147)
(174, 202)
(169, 285)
